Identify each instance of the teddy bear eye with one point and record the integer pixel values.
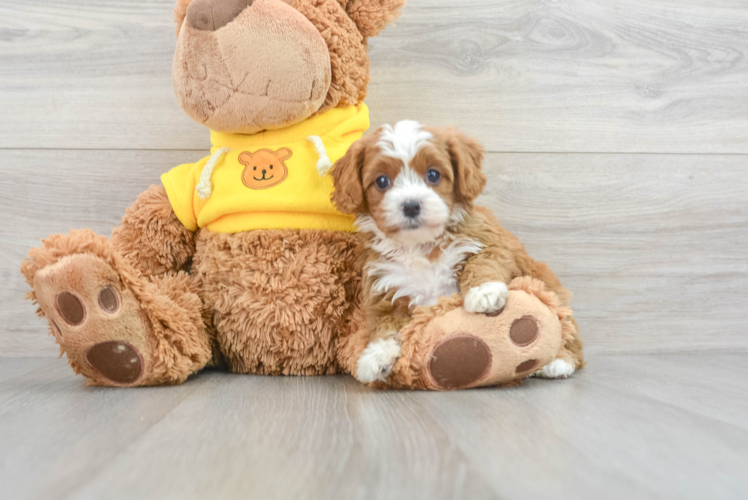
(383, 182)
(271, 167)
(255, 168)
(433, 176)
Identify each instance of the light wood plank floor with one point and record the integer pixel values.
(628, 426)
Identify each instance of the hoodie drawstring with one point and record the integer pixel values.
(323, 164)
(204, 187)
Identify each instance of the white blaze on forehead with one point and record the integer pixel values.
(403, 141)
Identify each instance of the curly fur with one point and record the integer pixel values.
(371, 16)
(151, 235)
(280, 298)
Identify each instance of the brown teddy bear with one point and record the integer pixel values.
(251, 270)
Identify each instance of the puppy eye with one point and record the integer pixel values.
(383, 182)
(433, 176)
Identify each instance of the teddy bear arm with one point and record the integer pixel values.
(151, 236)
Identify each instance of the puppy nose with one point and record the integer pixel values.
(210, 15)
(412, 208)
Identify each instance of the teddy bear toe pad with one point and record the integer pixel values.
(96, 319)
(118, 361)
(524, 331)
(458, 361)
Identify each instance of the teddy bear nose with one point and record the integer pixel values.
(210, 15)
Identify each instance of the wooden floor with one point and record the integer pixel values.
(628, 426)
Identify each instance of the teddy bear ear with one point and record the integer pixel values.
(180, 12)
(371, 16)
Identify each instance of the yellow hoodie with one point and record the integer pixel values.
(271, 180)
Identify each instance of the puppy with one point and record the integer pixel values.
(413, 188)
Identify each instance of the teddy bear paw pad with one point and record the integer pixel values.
(71, 308)
(526, 366)
(459, 361)
(96, 318)
(524, 331)
(118, 361)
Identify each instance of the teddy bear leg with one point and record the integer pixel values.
(445, 347)
(116, 327)
(570, 357)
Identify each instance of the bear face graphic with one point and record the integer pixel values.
(264, 168)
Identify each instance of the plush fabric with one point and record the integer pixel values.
(281, 300)
(277, 63)
(301, 200)
(528, 298)
(154, 239)
(160, 318)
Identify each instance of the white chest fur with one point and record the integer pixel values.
(411, 274)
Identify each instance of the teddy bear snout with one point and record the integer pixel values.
(211, 15)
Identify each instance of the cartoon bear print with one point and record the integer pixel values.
(264, 169)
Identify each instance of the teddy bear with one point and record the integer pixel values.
(241, 261)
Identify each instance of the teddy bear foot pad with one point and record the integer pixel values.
(97, 320)
(481, 350)
(458, 361)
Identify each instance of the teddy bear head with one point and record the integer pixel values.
(244, 66)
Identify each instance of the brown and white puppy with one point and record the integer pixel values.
(413, 189)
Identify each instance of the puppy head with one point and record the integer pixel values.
(410, 179)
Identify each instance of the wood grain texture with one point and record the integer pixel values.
(586, 439)
(327, 437)
(612, 431)
(540, 75)
(11, 368)
(652, 245)
(56, 433)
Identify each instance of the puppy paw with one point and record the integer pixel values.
(486, 298)
(377, 360)
(558, 368)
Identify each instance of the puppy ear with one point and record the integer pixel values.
(371, 16)
(467, 162)
(348, 195)
(180, 12)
